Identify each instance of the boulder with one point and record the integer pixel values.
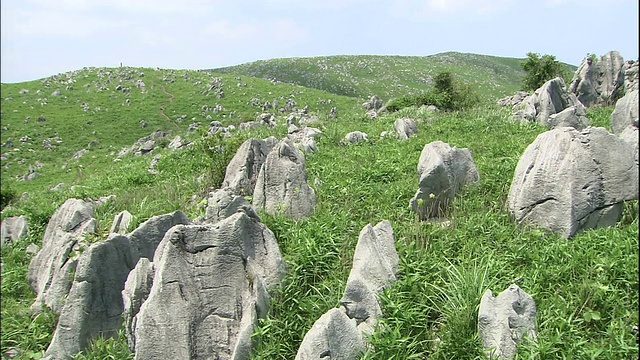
(551, 98)
(354, 137)
(146, 238)
(374, 103)
(242, 172)
(209, 286)
(625, 112)
(282, 183)
(405, 127)
(505, 320)
(513, 100)
(630, 136)
(121, 222)
(223, 203)
(304, 138)
(375, 264)
(333, 336)
(51, 270)
(631, 79)
(442, 171)
(13, 228)
(596, 82)
(573, 116)
(568, 180)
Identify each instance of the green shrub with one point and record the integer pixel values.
(7, 195)
(540, 69)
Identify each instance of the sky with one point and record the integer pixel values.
(40, 38)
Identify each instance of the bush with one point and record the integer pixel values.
(540, 69)
(7, 195)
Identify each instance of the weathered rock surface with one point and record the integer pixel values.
(442, 171)
(625, 112)
(223, 203)
(405, 127)
(333, 336)
(209, 287)
(630, 136)
(596, 82)
(304, 137)
(374, 103)
(505, 320)
(354, 137)
(51, 270)
(631, 79)
(573, 116)
(135, 293)
(13, 228)
(514, 99)
(375, 264)
(121, 222)
(568, 180)
(242, 172)
(282, 183)
(551, 98)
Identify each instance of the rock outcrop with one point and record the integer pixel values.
(13, 228)
(625, 113)
(551, 98)
(442, 171)
(282, 186)
(506, 320)
(242, 171)
(596, 82)
(568, 180)
(374, 103)
(405, 127)
(631, 79)
(354, 137)
(573, 116)
(121, 222)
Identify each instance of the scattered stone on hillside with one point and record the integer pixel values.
(267, 119)
(405, 127)
(631, 79)
(333, 336)
(513, 100)
(372, 114)
(178, 143)
(13, 228)
(223, 203)
(121, 222)
(304, 138)
(375, 264)
(50, 271)
(247, 125)
(551, 98)
(24, 91)
(8, 143)
(309, 120)
(145, 144)
(374, 103)
(242, 171)
(56, 92)
(209, 287)
(596, 82)
(333, 113)
(79, 154)
(354, 137)
(281, 186)
(506, 320)
(58, 187)
(625, 113)
(193, 126)
(442, 171)
(573, 116)
(41, 119)
(568, 180)
(143, 124)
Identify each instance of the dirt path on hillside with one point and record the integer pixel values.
(164, 90)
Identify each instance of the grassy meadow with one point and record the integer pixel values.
(585, 288)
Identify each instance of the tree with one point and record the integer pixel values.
(539, 70)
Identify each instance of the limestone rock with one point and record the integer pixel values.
(13, 228)
(625, 112)
(374, 103)
(568, 180)
(209, 287)
(505, 320)
(135, 293)
(121, 222)
(333, 336)
(551, 98)
(223, 203)
(596, 82)
(355, 137)
(146, 238)
(631, 79)
(405, 127)
(50, 271)
(513, 100)
(630, 136)
(242, 172)
(442, 171)
(282, 183)
(573, 116)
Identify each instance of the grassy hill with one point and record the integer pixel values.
(390, 76)
(586, 288)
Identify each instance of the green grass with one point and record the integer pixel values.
(586, 288)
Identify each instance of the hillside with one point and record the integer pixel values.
(585, 288)
(389, 76)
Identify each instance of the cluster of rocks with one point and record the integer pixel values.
(145, 144)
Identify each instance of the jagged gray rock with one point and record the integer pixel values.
(573, 116)
(304, 137)
(242, 172)
(631, 79)
(375, 264)
(595, 82)
(333, 336)
(374, 103)
(223, 203)
(135, 293)
(630, 136)
(505, 320)
(121, 222)
(514, 99)
(442, 171)
(354, 137)
(209, 287)
(282, 183)
(551, 98)
(13, 228)
(625, 112)
(51, 270)
(146, 238)
(568, 180)
(405, 127)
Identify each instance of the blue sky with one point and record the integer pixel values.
(46, 37)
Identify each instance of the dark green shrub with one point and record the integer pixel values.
(540, 69)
